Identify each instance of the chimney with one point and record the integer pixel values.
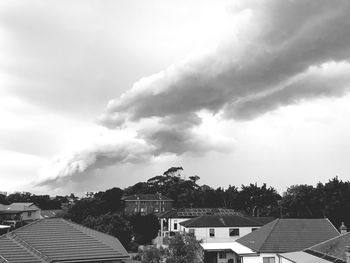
(347, 254)
(343, 229)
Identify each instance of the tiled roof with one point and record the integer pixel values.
(146, 197)
(287, 235)
(333, 249)
(223, 221)
(195, 212)
(59, 240)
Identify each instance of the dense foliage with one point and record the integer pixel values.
(184, 248)
(115, 225)
(105, 209)
(44, 202)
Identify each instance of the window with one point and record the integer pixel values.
(29, 214)
(222, 254)
(191, 231)
(254, 228)
(234, 232)
(268, 259)
(175, 226)
(212, 232)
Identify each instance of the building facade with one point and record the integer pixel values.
(146, 204)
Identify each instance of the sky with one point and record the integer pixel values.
(102, 94)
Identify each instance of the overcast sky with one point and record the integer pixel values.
(97, 94)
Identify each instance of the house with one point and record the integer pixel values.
(170, 221)
(17, 213)
(332, 250)
(59, 240)
(266, 243)
(147, 203)
(222, 228)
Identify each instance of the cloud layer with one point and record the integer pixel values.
(283, 52)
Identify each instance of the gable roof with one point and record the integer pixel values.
(333, 249)
(288, 235)
(59, 240)
(195, 212)
(18, 207)
(146, 197)
(223, 221)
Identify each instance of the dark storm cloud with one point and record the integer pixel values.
(279, 57)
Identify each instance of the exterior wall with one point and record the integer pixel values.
(284, 260)
(222, 234)
(259, 258)
(30, 215)
(147, 207)
(176, 221)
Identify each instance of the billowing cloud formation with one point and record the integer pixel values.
(97, 155)
(282, 53)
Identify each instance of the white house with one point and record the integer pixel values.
(222, 228)
(18, 212)
(170, 221)
(268, 242)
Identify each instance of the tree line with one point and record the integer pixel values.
(104, 210)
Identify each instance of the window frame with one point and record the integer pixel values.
(211, 232)
(222, 254)
(232, 230)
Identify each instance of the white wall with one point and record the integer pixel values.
(172, 222)
(222, 234)
(259, 259)
(34, 215)
(284, 260)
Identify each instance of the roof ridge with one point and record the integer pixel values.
(90, 230)
(268, 236)
(326, 218)
(193, 220)
(3, 260)
(30, 249)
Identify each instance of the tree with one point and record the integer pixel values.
(3, 200)
(152, 254)
(184, 248)
(145, 228)
(258, 201)
(301, 201)
(112, 224)
(112, 197)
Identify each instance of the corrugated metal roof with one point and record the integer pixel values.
(224, 221)
(288, 235)
(59, 240)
